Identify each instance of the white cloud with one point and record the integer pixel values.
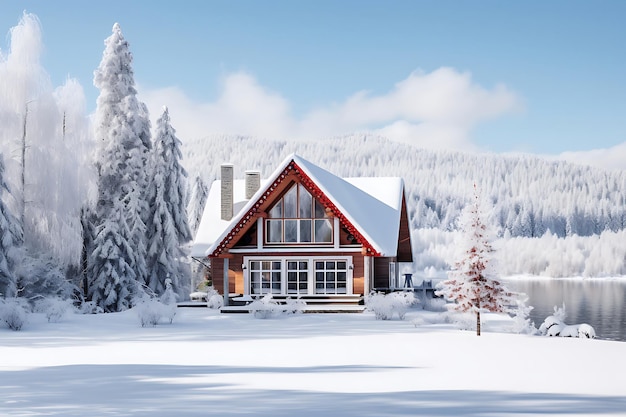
(434, 110)
(607, 158)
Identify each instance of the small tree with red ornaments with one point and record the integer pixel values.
(472, 283)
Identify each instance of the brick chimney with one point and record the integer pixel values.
(227, 191)
(253, 183)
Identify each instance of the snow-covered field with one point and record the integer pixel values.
(301, 365)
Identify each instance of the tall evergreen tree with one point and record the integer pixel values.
(123, 135)
(114, 284)
(472, 284)
(168, 230)
(10, 240)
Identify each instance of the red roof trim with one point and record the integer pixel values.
(252, 213)
(323, 198)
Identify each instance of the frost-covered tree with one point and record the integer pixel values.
(472, 284)
(123, 134)
(197, 200)
(10, 240)
(46, 132)
(167, 226)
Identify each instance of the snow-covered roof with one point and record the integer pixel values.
(371, 204)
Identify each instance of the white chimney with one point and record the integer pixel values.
(253, 183)
(227, 191)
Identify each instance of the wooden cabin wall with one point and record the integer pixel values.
(217, 275)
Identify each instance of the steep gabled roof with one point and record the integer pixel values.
(369, 207)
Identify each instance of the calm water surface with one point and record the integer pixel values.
(599, 302)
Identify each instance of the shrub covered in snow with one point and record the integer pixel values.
(268, 307)
(294, 306)
(384, 306)
(554, 326)
(54, 308)
(13, 312)
(265, 307)
(521, 322)
(213, 298)
(586, 331)
(90, 307)
(168, 301)
(149, 311)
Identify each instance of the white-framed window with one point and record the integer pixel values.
(265, 277)
(331, 277)
(297, 276)
(298, 218)
(301, 275)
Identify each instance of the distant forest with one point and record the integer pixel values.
(529, 195)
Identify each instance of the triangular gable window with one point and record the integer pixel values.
(298, 218)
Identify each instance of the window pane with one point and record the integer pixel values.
(305, 203)
(276, 212)
(292, 265)
(330, 265)
(265, 265)
(304, 265)
(291, 230)
(323, 231)
(255, 265)
(320, 212)
(274, 230)
(341, 265)
(319, 277)
(291, 276)
(330, 277)
(290, 202)
(305, 230)
(303, 276)
(276, 265)
(341, 277)
(319, 265)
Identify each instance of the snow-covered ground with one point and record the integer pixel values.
(302, 365)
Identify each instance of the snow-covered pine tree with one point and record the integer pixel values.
(168, 230)
(197, 200)
(10, 239)
(123, 135)
(135, 214)
(113, 283)
(472, 284)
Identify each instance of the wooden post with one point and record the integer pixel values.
(367, 274)
(226, 285)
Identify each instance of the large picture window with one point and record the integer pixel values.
(298, 218)
(297, 275)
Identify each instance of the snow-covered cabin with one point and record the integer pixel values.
(303, 231)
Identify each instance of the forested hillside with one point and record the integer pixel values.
(530, 195)
(552, 218)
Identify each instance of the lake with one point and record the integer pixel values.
(596, 301)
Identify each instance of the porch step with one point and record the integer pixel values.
(318, 303)
(322, 308)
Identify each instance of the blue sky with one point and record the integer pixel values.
(545, 77)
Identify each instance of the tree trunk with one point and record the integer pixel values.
(478, 323)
